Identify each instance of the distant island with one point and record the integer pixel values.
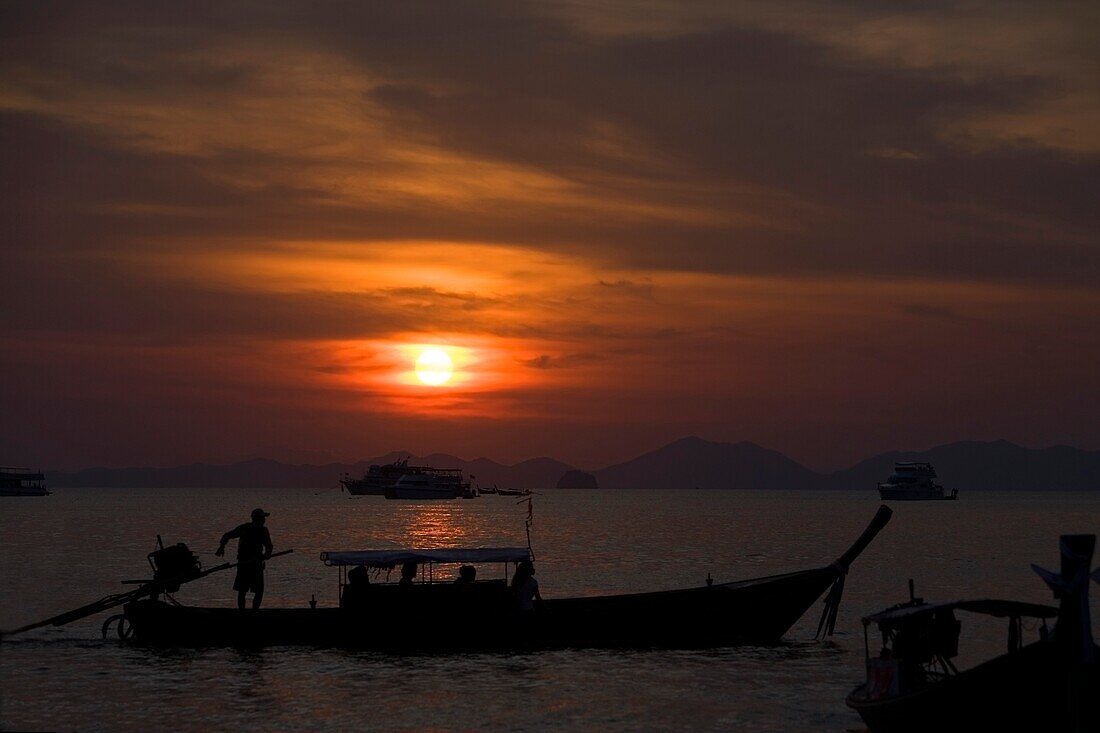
(687, 463)
(575, 479)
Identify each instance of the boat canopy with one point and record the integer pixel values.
(987, 606)
(391, 558)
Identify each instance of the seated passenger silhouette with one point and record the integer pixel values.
(355, 592)
(466, 575)
(525, 587)
(408, 572)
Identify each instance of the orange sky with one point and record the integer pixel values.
(833, 229)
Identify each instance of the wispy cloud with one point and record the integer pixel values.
(733, 210)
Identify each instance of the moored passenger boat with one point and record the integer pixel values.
(378, 478)
(399, 480)
(429, 483)
(22, 482)
(914, 481)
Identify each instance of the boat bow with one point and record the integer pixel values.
(832, 601)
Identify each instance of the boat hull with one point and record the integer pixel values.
(1026, 690)
(23, 492)
(441, 618)
(361, 487)
(421, 492)
(918, 494)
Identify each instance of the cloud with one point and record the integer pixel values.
(565, 361)
(933, 312)
(733, 209)
(739, 148)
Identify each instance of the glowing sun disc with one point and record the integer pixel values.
(434, 367)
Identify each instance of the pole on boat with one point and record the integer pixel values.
(150, 588)
(527, 524)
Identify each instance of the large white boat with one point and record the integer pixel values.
(399, 480)
(378, 478)
(22, 482)
(914, 481)
(430, 483)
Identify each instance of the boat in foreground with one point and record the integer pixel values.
(1051, 684)
(914, 481)
(22, 482)
(431, 616)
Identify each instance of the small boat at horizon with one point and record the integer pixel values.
(914, 481)
(22, 482)
(513, 492)
(1052, 684)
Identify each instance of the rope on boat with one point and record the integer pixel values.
(832, 602)
(528, 522)
(125, 627)
(832, 608)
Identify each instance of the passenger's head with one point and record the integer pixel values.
(408, 570)
(524, 570)
(358, 575)
(467, 573)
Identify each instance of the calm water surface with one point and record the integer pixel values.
(71, 548)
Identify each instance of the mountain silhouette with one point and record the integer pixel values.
(687, 463)
(535, 473)
(691, 463)
(998, 465)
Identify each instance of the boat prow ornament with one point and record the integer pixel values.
(1071, 587)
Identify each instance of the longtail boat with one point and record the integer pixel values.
(438, 616)
(433, 616)
(1050, 684)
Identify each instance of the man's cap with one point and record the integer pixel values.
(257, 512)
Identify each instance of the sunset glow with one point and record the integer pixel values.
(654, 291)
(832, 233)
(434, 367)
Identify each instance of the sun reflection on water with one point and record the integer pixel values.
(436, 525)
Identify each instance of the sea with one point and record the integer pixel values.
(71, 548)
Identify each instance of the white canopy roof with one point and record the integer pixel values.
(391, 558)
(987, 606)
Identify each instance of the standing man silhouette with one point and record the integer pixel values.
(253, 547)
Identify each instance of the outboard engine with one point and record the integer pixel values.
(175, 563)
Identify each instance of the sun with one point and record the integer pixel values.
(434, 367)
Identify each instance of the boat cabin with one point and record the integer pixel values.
(406, 577)
(22, 482)
(920, 640)
(914, 480)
